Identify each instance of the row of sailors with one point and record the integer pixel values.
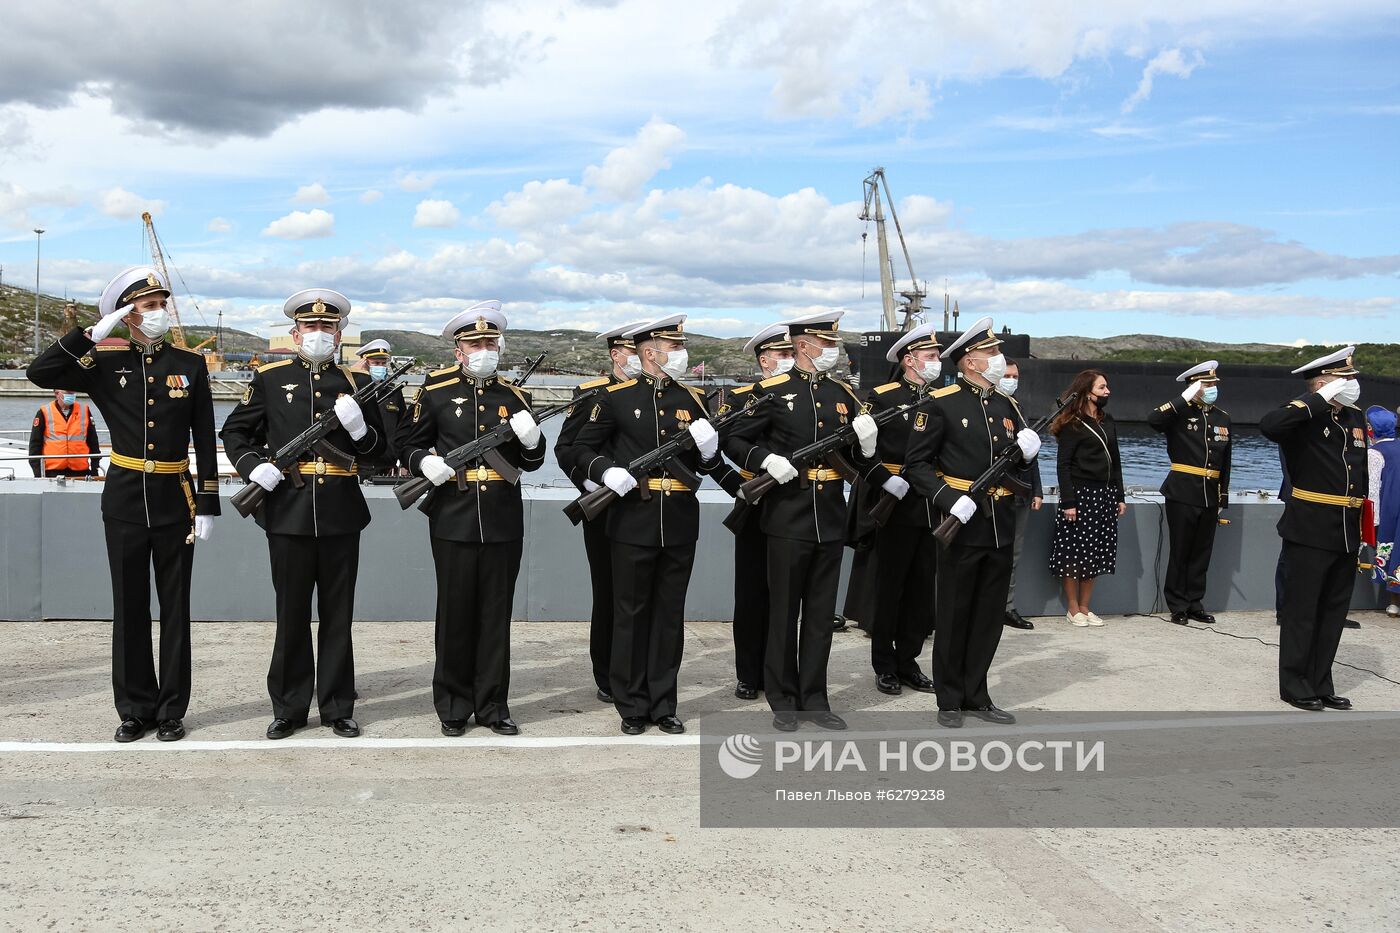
(155, 399)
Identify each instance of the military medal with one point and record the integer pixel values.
(964, 421)
(290, 387)
(637, 413)
(503, 412)
(179, 386)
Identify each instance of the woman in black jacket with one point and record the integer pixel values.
(1091, 495)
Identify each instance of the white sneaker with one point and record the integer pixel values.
(1392, 610)
(1077, 618)
(1093, 619)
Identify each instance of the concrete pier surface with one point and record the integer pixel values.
(573, 826)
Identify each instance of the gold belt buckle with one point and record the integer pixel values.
(482, 474)
(822, 475)
(666, 484)
(149, 466)
(320, 468)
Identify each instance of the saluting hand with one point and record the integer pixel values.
(103, 328)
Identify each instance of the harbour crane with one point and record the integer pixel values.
(214, 359)
(911, 300)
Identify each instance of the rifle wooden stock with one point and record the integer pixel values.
(883, 508)
(247, 499)
(590, 505)
(409, 491)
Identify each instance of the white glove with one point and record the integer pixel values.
(525, 428)
(1332, 389)
(779, 468)
(964, 509)
(103, 328)
(435, 469)
(1191, 391)
(589, 485)
(866, 429)
(351, 418)
(706, 438)
(619, 480)
(265, 475)
(896, 486)
(1029, 442)
(204, 527)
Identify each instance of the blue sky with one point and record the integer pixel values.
(1223, 170)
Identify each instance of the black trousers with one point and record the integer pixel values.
(1191, 533)
(905, 561)
(476, 584)
(1317, 589)
(750, 602)
(861, 598)
(970, 607)
(600, 626)
(649, 585)
(326, 566)
(131, 551)
(802, 582)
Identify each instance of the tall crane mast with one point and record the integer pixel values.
(913, 297)
(177, 332)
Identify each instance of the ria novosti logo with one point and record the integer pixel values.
(740, 756)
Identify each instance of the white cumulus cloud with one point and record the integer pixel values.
(539, 203)
(124, 205)
(1167, 62)
(433, 213)
(302, 225)
(896, 96)
(371, 196)
(312, 194)
(416, 181)
(627, 168)
(219, 225)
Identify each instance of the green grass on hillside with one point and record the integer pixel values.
(1379, 359)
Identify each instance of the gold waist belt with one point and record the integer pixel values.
(1195, 470)
(823, 474)
(321, 468)
(963, 485)
(666, 484)
(1322, 498)
(150, 466)
(894, 468)
(481, 474)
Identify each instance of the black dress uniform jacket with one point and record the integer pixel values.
(810, 406)
(454, 409)
(633, 418)
(569, 455)
(283, 400)
(913, 510)
(958, 438)
(1197, 436)
(1324, 451)
(154, 402)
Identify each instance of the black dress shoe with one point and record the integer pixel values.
(828, 720)
(1332, 701)
(454, 727)
(917, 681)
(346, 728)
(671, 725)
(171, 730)
(888, 683)
(1351, 623)
(505, 726)
(746, 691)
(1312, 704)
(604, 696)
(951, 718)
(839, 623)
(1179, 618)
(1015, 620)
(785, 722)
(1200, 615)
(991, 713)
(634, 725)
(131, 729)
(281, 728)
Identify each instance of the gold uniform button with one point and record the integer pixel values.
(481, 408)
(150, 424)
(820, 424)
(318, 395)
(316, 376)
(149, 360)
(150, 378)
(821, 486)
(663, 432)
(318, 414)
(150, 401)
(819, 404)
(150, 446)
(321, 480)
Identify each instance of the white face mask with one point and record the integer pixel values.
(316, 345)
(826, 359)
(782, 364)
(481, 363)
(996, 368)
(931, 370)
(1350, 393)
(676, 363)
(1009, 384)
(154, 324)
(632, 366)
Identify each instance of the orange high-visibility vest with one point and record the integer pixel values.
(65, 439)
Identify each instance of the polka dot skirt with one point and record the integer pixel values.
(1087, 546)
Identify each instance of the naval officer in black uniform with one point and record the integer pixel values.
(1322, 437)
(653, 538)
(156, 402)
(1196, 489)
(374, 359)
(625, 365)
(804, 521)
(476, 519)
(968, 427)
(905, 549)
(772, 348)
(313, 527)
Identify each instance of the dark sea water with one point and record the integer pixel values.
(1255, 459)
